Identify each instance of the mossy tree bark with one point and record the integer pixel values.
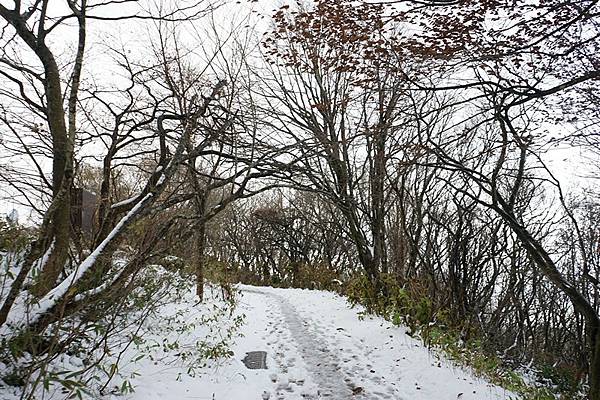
(56, 237)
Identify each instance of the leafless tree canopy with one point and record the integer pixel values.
(401, 152)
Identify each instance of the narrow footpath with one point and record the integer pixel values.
(314, 346)
(320, 349)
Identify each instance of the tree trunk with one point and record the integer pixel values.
(55, 238)
(378, 210)
(595, 365)
(59, 237)
(58, 234)
(200, 250)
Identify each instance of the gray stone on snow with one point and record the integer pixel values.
(255, 360)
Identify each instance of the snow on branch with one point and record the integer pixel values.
(19, 320)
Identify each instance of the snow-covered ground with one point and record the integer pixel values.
(317, 348)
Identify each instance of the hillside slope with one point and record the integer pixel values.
(317, 348)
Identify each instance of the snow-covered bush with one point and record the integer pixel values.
(153, 316)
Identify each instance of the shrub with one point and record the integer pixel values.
(13, 237)
(407, 304)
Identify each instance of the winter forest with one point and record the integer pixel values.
(319, 199)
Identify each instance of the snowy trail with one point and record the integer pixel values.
(321, 349)
(317, 349)
(322, 364)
